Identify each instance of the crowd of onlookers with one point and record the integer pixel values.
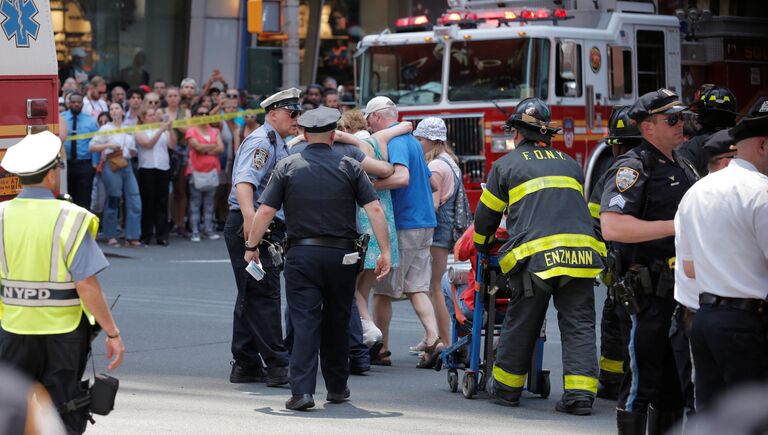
(149, 184)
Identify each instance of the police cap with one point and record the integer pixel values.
(319, 120)
(760, 108)
(658, 102)
(34, 154)
(720, 143)
(750, 127)
(288, 99)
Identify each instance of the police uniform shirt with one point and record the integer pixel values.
(341, 148)
(723, 223)
(85, 124)
(254, 162)
(319, 190)
(88, 260)
(645, 184)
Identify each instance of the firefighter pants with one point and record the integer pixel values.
(650, 372)
(58, 362)
(574, 300)
(613, 344)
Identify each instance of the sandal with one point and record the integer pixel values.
(113, 243)
(133, 244)
(430, 355)
(418, 348)
(382, 359)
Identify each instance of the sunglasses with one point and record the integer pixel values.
(672, 120)
(61, 164)
(293, 113)
(232, 95)
(152, 102)
(202, 113)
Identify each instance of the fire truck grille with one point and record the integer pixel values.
(465, 136)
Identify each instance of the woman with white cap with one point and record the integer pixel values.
(446, 182)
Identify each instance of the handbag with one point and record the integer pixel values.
(205, 181)
(116, 161)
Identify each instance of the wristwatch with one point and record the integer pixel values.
(251, 248)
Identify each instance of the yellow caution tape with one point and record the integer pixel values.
(187, 122)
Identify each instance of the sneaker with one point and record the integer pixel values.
(371, 333)
(213, 236)
(195, 237)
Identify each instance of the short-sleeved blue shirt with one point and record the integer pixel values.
(85, 124)
(254, 162)
(413, 203)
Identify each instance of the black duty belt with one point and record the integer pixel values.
(754, 305)
(325, 242)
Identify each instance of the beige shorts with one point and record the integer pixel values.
(415, 269)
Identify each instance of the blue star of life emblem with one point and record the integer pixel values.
(19, 21)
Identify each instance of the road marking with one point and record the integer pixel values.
(197, 261)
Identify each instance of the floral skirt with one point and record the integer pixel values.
(365, 227)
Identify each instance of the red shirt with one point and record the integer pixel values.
(199, 162)
(465, 250)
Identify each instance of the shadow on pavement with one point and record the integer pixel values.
(335, 411)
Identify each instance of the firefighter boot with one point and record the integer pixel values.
(609, 384)
(660, 422)
(630, 423)
(502, 394)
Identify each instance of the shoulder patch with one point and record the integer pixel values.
(625, 178)
(260, 156)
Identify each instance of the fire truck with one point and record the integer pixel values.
(28, 78)
(480, 58)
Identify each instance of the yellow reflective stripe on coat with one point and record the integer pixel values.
(611, 365)
(490, 201)
(532, 186)
(541, 244)
(578, 382)
(594, 210)
(508, 379)
(575, 272)
(481, 239)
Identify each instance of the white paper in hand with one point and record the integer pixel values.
(350, 258)
(255, 270)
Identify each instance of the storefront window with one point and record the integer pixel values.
(135, 42)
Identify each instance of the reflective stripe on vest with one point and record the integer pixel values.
(594, 209)
(549, 182)
(547, 243)
(39, 239)
(493, 203)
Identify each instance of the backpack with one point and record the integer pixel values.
(462, 214)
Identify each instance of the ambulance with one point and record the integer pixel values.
(480, 58)
(28, 78)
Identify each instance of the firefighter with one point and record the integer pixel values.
(642, 190)
(51, 296)
(715, 109)
(552, 252)
(623, 135)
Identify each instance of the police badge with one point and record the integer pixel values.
(625, 178)
(260, 157)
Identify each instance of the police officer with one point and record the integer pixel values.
(623, 135)
(642, 190)
(322, 259)
(51, 297)
(552, 252)
(715, 110)
(257, 333)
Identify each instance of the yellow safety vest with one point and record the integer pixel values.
(38, 242)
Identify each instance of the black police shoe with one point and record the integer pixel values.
(338, 397)
(358, 368)
(575, 407)
(505, 398)
(300, 402)
(242, 374)
(277, 376)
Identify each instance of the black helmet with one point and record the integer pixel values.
(620, 126)
(532, 116)
(713, 98)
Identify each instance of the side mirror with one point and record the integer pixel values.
(570, 89)
(568, 60)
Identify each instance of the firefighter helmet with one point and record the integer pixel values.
(533, 117)
(713, 98)
(621, 126)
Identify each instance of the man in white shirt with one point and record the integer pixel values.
(93, 104)
(723, 246)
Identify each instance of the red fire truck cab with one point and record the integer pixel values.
(479, 60)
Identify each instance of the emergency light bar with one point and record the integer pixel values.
(471, 19)
(413, 24)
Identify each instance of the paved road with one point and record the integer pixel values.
(175, 315)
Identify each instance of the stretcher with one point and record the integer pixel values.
(472, 350)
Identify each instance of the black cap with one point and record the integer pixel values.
(760, 108)
(658, 102)
(319, 120)
(720, 143)
(749, 127)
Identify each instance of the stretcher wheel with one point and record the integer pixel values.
(468, 385)
(546, 386)
(453, 380)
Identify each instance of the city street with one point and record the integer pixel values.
(175, 312)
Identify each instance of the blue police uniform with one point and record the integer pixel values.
(257, 333)
(79, 160)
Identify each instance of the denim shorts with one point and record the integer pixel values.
(443, 235)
